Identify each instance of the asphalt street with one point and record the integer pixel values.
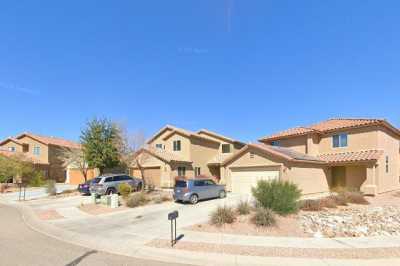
(20, 245)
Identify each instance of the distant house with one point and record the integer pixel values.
(45, 152)
(173, 152)
(360, 154)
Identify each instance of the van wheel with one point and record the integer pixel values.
(222, 194)
(139, 187)
(111, 191)
(194, 199)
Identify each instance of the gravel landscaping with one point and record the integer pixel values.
(380, 218)
(98, 209)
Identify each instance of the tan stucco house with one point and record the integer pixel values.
(356, 153)
(174, 152)
(44, 152)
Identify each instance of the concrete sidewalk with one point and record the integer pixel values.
(130, 240)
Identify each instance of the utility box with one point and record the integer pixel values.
(114, 201)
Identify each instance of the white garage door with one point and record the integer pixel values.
(243, 181)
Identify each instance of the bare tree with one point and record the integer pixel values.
(76, 157)
(129, 147)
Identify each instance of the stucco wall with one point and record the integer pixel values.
(390, 144)
(185, 145)
(296, 143)
(202, 152)
(356, 176)
(311, 179)
(44, 150)
(9, 144)
(357, 140)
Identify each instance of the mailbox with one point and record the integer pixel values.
(173, 215)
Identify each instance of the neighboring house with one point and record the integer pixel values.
(45, 152)
(355, 153)
(173, 152)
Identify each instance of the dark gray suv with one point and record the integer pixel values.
(193, 190)
(109, 184)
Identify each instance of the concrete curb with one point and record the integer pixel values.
(172, 256)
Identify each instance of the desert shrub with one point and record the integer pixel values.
(51, 187)
(328, 202)
(279, 196)
(243, 208)
(136, 200)
(151, 187)
(264, 217)
(222, 215)
(165, 197)
(125, 190)
(36, 180)
(339, 199)
(355, 197)
(3, 188)
(69, 191)
(311, 205)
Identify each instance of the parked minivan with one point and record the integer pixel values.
(193, 190)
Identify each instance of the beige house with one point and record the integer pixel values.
(356, 153)
(44, 152)
(173, 152)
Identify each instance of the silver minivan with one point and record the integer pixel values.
(193, 190)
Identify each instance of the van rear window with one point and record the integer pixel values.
(180, 183)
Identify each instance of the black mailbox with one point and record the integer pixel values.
(173, 215)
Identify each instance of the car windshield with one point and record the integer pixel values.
(96, 180)
(180, 183)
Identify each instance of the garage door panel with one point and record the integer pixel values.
(243, 181)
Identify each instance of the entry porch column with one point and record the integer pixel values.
(370, 185)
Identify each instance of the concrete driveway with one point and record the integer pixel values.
(135, 226)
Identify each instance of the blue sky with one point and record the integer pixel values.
(241, 68)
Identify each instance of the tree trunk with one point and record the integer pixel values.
(141, 169)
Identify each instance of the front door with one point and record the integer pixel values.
(338, 176)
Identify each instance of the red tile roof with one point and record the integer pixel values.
(330, 125)
(162, 155)
(52, 141)
(344, 157)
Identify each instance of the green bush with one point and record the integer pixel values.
(264, 217)
(125, 190)
(136, 200)
(51, 187)
(243, 208)
(222, 215)
(36, 180)
(279, 196)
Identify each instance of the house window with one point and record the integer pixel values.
(181, 171)
(36, 150)
(177, 145)
(159, 146)
(197, 171)
(339, 140)
(387, 164)
(251, 155)
(276, 143)
(226, 148)
(25, 148)
(12, 149)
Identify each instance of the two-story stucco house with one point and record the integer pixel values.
(44, 152)
(173, 152)
(355, 153)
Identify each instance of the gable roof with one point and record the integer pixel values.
(329, 126)
(286, 154)
(12, 140)
(181, 131)
(51, 140)
(218, 136)
(162, 154)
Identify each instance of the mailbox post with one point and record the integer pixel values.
(172, 217)
(22, 191)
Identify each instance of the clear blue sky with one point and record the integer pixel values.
(241, 68)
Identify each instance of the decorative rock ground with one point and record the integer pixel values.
(353, 222)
